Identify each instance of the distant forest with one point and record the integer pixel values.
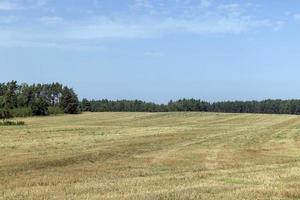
(193, 105)
(20, 100)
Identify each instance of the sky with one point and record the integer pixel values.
(155, 50)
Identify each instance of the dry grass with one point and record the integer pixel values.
(152, 156)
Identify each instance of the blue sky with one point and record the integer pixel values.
(155, 50)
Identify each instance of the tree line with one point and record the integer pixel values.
(19, 100)
(193, 105)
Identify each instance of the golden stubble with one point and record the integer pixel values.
(152, 156)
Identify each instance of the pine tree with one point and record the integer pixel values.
(69, 101)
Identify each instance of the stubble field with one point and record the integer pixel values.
(152, 156)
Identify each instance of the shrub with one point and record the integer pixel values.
(5, 114)
(40, 107)
(21, 112)
(55, 110)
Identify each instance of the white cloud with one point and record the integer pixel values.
(8, 6)
(297, 17)
(51, 20)
(231, 9)
(213, 19)
(105, 28)
(40, 3)
(205, 3)
(142, 4)
(12, 5)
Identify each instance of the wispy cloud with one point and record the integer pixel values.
(205, 3)
(104, 29)
(40, 3)
(205, 17)
(9, 6)
(12, 5)
(142, 4)
(54, 20)
(297, 17)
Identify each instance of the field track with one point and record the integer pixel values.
(152, 156)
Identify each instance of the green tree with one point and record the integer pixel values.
(10, 96)
(69, 101)
(40, 107)
(86, 105)
(5, 114)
